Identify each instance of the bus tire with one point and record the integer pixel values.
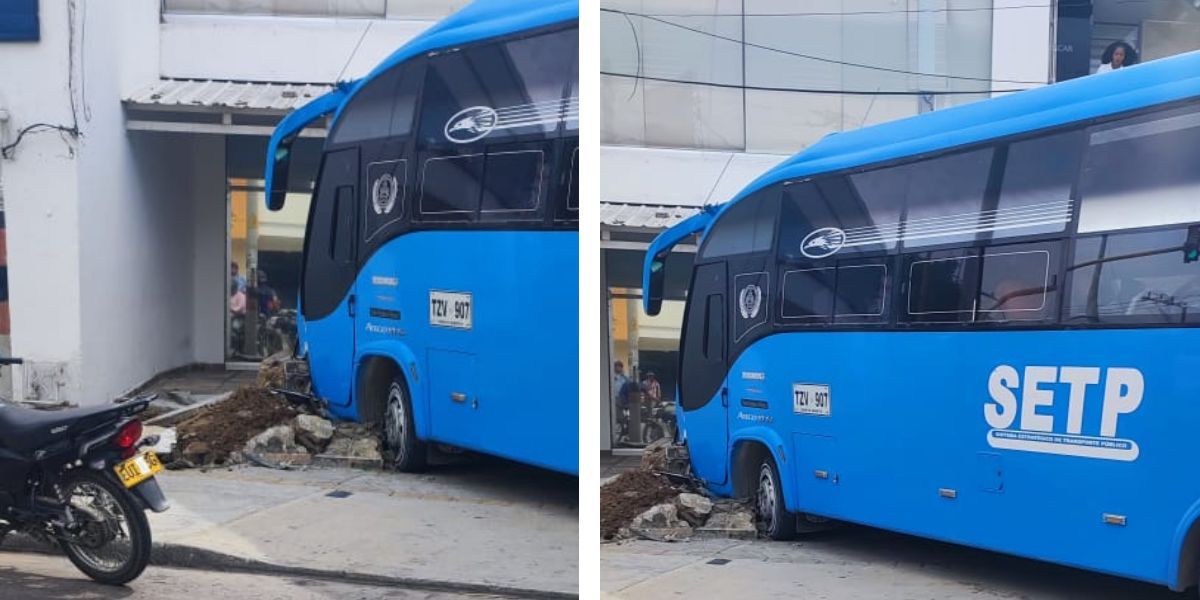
(399, 433)
(778, 523)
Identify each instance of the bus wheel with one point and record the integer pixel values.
(778, 523)
(399, 435)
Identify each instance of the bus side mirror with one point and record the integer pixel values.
(654, 295)
(279, 175)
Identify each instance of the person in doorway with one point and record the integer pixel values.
(651, 388)
(1117, 55)
(268, 300)
(237, 300)
(619, 381)
(235, 278)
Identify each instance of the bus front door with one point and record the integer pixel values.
(704, 392)
(329, 273)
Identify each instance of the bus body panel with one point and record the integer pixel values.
(401, 354)
(907, 424)
(330, 349)
(517, 372)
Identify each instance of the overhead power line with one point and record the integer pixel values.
(904, 11)
(821, 58)
(810, 90)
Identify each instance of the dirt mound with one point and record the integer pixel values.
(225, 426)
(628, 496)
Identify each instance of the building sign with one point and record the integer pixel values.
(19, 21)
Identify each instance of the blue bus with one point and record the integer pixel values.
(978, 325)
(438, 293)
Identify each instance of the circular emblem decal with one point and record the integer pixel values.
(750, 301)
(471, 124)
(823, 242)
(383, 194)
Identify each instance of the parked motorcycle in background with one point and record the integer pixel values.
(79, 477)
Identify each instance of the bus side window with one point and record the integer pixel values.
(1141, 172)
(1133, 278)
(384, 107)
(451, 187)
(747, 226)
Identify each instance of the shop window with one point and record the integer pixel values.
(1133, 278)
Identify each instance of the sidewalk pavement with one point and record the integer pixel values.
(482, 526)
(849, 562)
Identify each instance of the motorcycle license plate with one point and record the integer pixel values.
(138, 469)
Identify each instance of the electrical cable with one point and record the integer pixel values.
(812, 90)
(821, 58)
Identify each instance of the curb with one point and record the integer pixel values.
(188, 557)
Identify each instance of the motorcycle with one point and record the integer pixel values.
(79, 478)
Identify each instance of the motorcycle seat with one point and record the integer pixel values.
(27, 429)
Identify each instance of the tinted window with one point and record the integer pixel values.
(868, 221)
(1142, 172)
(1035, 192)
(1016, 284)
(573, 182)
(1133, 278)
(1003, 283)
(747, 226)
(808, 294)
(382, 108)
(861, 293)
(495, 91)
(451, 187)
(941, 286)
(512, 184)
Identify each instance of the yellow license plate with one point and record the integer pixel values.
(138, 469)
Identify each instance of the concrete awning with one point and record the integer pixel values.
(670, 177)
(221, 107)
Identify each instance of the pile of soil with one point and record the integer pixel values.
(628, 496)
(226, 426)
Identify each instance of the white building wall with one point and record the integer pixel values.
(42, 209)
(210, 260)
(1022, 43)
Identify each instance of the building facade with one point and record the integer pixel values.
(700, 97)
(134, 136)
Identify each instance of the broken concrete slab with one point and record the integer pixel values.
(693, 508)
(280, 439)
(166, 438)
(354, 452)
(733, 525)
(313, 432)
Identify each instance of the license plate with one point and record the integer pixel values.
(810, 399)
(450, 309)
(138, 469)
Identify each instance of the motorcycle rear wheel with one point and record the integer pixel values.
(116, 550)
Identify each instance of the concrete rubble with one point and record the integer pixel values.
(313, 432)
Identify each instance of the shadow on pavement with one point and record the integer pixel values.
(19, 584)
(507, 480)
(981, 569)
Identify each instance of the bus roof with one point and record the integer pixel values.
(1147, 84)
(479, 20)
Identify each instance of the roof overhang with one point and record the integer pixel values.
(220, 107)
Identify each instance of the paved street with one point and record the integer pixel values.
(40, 577)
(482, 522)
(853, 562)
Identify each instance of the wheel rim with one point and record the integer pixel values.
(394, 426)
(105, 545)
(766, 497)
